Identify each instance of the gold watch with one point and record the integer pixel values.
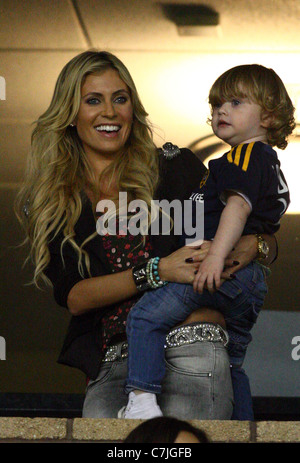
(262, 247)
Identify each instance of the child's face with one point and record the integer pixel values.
(238, 121)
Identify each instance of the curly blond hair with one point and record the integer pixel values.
(58, 169)
(264, 87)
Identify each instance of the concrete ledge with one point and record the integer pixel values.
(33, 428)
(282, 431)
(102, 429)
(114, 430)
(225, 431)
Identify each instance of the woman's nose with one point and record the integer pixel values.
(108, 109)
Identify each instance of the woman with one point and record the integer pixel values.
(93, 142)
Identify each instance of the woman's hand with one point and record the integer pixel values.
(182, 265)
(212, 269)
(243, 253)
(179, 267)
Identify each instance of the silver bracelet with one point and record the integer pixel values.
(146, 275)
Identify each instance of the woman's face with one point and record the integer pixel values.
(105, 115)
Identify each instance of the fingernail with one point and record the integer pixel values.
(236, 262)
(232, 275)
(189, 260)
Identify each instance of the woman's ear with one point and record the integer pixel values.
(266, 119)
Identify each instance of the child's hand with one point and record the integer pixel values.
(210, 273)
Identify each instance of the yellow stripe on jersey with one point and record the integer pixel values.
(229, 155)
(247, 156)
(238, 155)
(234, 155)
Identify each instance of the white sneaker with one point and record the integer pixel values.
(140, 406)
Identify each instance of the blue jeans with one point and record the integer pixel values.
(197, 385)
(239, 300)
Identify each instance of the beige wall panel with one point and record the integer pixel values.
(39, 24)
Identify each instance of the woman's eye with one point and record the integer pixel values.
(121, 99)
(93, 101)
(118, 100)
(235, 102)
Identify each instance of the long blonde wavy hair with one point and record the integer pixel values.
(58, 170)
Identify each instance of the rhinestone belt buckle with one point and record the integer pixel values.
(112, 353)
(192, 334)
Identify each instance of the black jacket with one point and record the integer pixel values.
(82, 345)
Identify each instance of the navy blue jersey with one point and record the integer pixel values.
(252, 169)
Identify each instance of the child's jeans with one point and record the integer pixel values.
(239, 300)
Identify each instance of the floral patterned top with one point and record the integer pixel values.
(122, 252)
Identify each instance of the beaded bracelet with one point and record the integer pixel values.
(146, 275)
(152, 273)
